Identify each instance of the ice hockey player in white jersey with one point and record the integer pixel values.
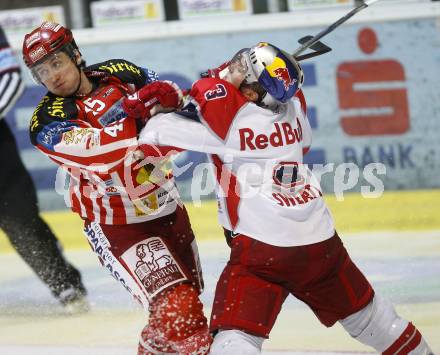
(249, 115)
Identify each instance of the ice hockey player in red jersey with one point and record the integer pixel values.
(134, 221)
(249, 115)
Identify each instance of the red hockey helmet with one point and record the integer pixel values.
(46, 40)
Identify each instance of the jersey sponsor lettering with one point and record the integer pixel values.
(35, 117)
(101, 246)
(53, 133)
(110, 188)
(55, 109)
(288, 199)
(80, 135)
(115, 67)
(283, 134)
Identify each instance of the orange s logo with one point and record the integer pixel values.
(372, 93)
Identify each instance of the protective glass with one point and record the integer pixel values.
(53, 64)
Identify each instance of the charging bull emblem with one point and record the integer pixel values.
(278, 69)
(284, 76)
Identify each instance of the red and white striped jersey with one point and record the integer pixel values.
(263, 188)
(93, 141)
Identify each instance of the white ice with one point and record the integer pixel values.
(402, 266)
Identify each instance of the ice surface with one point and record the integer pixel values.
(402, 266)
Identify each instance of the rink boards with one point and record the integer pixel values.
(393, 211)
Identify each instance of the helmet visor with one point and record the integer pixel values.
(51, 65)
(239, 67)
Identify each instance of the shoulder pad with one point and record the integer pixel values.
(218, 102)
(122, 69)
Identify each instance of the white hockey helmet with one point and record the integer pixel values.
(273, 73)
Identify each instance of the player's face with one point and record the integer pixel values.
(250, 94)
(59, 74)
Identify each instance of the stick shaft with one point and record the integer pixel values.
(330, 28)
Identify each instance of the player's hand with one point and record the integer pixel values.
(164, 93)
(216, 72)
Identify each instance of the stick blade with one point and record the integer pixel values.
(317, 46)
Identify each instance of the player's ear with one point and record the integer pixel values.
(77, 56)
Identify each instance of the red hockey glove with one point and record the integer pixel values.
(164, 93)
(216, 72)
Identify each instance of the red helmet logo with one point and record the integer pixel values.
(283, 75)
(45, 40)
(37, 53)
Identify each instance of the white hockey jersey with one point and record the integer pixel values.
(264, 191)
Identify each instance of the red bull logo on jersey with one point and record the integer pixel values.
(283, 134)
(278, 69)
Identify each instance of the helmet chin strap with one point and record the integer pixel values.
(269, 102)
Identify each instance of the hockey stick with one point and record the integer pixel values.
(318, 48)
(313, 40)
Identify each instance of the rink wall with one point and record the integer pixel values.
(396, 211)
(375, 98)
